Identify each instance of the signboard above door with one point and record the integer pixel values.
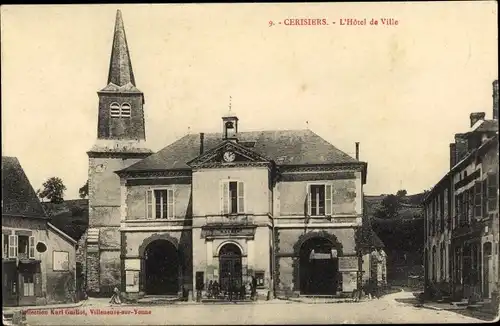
(225, 232)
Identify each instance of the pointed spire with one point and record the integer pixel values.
(120, 67)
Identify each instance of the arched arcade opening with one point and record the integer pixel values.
(318, 267)
(161, 268)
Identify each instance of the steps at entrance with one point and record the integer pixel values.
(225, 301)
(464, 302)
(159, 299)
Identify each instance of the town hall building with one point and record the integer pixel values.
(283, 206)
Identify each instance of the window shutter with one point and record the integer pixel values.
(328, 200)
(12, 246)
(170, 208)
(4, 254)
(484, 197)
(241, 197)
(225, 197)
(149, 204)
(31, 250)
(477, 199)
(470, 204)
(492, 192)
(308, 198)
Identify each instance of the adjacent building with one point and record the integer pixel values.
(461, 231)
(284, 206)
(38, 259)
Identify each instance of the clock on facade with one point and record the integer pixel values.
(229, 156)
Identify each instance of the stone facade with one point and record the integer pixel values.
(38, 260)
(461, 224)
(222, 207)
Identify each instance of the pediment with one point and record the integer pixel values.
(228, 153)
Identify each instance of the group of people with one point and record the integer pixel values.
(214, 291)
(233, 291)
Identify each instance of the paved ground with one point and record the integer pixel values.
(384, 310)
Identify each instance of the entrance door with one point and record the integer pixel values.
(10, 281)
(487, 266)
(27, 281)
(230, 274)
(318, 270)
(161, 268)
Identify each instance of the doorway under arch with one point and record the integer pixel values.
(161, 268)
(230, 274)
(319, 271)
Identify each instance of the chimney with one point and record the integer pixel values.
(495, 100)
(357, 151)
(461, 147)
(202, 139)
(475, 117)
(453, 155)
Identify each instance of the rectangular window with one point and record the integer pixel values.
(23, 246)
(438, 213)
(5, 245)
(160, 203)
(232, 197)
(477, 199)
(320, 200)
(466, 206)
(13, 246)
(28, 285)
(485, 197)
(492, 192)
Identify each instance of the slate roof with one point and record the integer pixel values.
(18, 196)
(120, 66)
(285, 147)
(487, 126)
(127, 88)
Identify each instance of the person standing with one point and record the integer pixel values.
(115, 299)
(254, 287)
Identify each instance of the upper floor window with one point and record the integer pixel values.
(160, 203)
(319, 199)
(117, 110)
(492, 191)
(21, 246)
(232, 197)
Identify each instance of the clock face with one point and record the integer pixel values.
(229, 156)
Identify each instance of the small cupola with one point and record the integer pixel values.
(230, 125)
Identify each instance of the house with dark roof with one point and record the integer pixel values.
(283, 207)
(38, 259)
(461, 215)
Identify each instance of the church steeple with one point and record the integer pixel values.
(120, 66)
(121, 104)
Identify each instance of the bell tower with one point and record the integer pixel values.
(230, 125)
(121, 111)
(120, 143)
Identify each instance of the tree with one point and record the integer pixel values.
(53, 190)
(401, 193)
(84, 190)
(389, 207)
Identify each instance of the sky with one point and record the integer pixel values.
(402, 91)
